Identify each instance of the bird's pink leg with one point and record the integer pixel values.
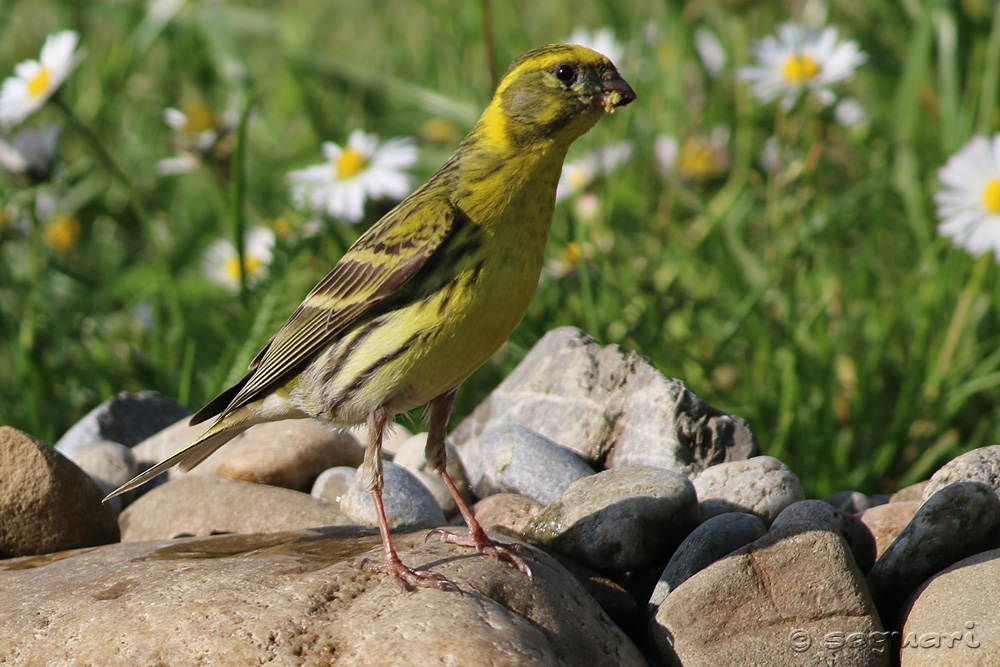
(437, 459)
(372, 471)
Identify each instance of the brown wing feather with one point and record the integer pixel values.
(375, 267)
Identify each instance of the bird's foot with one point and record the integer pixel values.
(485, 545)
(409, 577)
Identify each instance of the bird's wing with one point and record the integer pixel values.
(375, 267)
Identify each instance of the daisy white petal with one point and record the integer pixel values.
(364, 169)
(35, 81)
(968, 206)
(801, 59)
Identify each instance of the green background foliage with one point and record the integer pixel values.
(815, 300)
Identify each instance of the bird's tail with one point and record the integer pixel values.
(214, 437)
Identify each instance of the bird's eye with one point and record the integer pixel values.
(566, 73)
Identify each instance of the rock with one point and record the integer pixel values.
(201, 505)
(763, 486)
(854, 502)
(819, 515)
(953, 621)
(507, 458)
(979, 465)
(332, 484)
(290, 453)
(887, 521)
(617, 520)
(509, 513)
(958, 521)
(111, 464)
(407, 502)
(46, 502)
(908, 493)
(125, 418)
(297, 598)
(715, 538)
(616, 601)
(410, 455)
(786, 599)
(606, 404)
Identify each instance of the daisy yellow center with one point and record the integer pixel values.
(62, 234)
(40, 82)
(251, 265)
(200, 117)
(350, 164)
(799, 68)
(697, 159)
(577, 178)
(991, 196)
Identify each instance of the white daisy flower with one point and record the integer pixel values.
(221, 264)
(968, 205)
(850, 113)
(362, 170)
(697, 158)
(802, 58)
(35, 81)
(602, 40)
(580, 173)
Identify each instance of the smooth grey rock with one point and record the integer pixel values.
(297, 598)
(786, 599)
(332, 484)
(47, 503)
(508, 458)
(410, 455)
(715, 538)
(617, 520)
(960, 520)
(202, 505)
(979, 465)
(407, 501)
(609, 405)
(855, 502)
(124, 418)
(763, 486)
(290, 453)
(952, 619)
(110, 463)
(818, 514)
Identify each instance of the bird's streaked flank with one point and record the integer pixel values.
(431, 290)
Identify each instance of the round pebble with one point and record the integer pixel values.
(762, 485)
(515, 459)
(620, 519)
(407, 501)
(712, 540)
(411, 456)
(332, 483)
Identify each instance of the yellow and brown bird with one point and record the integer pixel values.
(429, 292)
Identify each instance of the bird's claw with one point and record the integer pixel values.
(410, 578)
(484, 545)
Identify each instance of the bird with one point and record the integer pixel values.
(428, 293)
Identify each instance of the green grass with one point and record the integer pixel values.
(817, 301)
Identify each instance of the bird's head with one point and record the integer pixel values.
(554, 93)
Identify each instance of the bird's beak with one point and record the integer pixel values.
(616, 93)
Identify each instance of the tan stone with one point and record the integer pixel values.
(199, 505)
(887, 521)
(790, 598)
(290, 453)
(47, 503)
(297, 598)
